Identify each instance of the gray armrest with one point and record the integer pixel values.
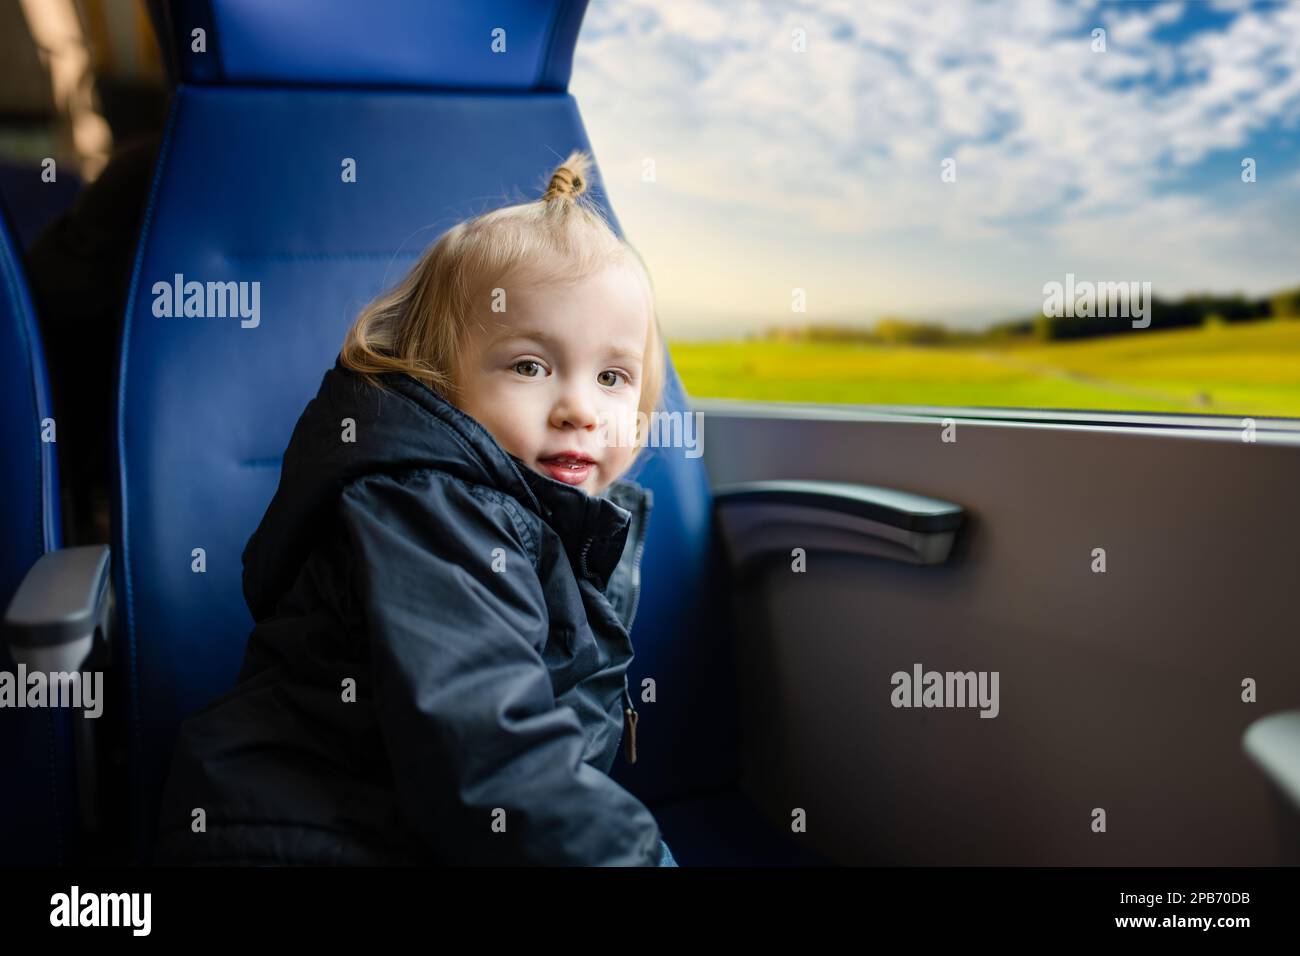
(761, 517)
(64, 602)
(1273, 742)
(51, 622)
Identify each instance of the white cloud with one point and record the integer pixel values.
(847, 138)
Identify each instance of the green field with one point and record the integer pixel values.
(1242, 369)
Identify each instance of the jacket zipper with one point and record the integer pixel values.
(636, 566)
(630, 719)
(582, 556)
(630, 716)
(629, 712)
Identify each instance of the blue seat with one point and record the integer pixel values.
(249, 189)
(37, 778)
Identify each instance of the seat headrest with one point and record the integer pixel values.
(432, 44)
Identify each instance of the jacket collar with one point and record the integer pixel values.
(593, 528)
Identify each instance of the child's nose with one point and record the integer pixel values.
(576, 407)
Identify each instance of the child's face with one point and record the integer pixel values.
(560, 371)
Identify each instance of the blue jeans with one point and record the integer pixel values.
(666, 859)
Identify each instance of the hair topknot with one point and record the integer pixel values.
(569, 180)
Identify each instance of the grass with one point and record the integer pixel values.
(1242, 369)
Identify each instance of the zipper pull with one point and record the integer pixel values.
(630, 719)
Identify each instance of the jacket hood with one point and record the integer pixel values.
(411, 427)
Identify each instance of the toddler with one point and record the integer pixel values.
(444, 583)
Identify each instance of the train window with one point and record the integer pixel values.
(1082, 206)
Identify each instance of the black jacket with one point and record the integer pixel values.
(481, 612)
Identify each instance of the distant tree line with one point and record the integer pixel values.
(1192, 310)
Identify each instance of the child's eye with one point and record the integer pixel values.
(526, 363)
(610, 372)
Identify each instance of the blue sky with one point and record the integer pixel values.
(776, 169)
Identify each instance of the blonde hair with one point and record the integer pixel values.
(419, 326)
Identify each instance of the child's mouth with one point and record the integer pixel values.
(572, 470)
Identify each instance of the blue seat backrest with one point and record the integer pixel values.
(249, 189)
(29, 480)
(36, 776)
